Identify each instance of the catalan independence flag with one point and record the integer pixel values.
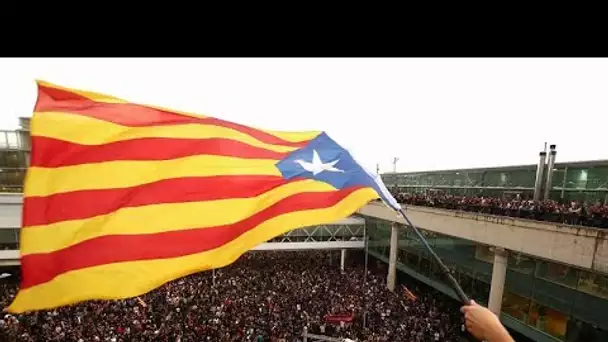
(121, 198)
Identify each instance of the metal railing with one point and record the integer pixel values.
(308, 337)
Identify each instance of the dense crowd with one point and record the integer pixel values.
(577, 213)
(264, 296)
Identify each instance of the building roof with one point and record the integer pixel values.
(578, 164)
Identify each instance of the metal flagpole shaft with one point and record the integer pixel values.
(445, 270)
(364, 287)
(366, 243)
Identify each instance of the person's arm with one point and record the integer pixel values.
(484, 325)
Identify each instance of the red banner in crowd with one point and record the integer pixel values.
(336, 319)
(408, 293)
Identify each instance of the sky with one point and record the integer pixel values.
(432, 114)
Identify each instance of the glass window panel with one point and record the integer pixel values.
(519, 283)
(377, 249)
(597, 177)
(492, 178)
(482, 270)
(444, 254)
(389, 180)
(386, 251)
(403, 233)
(548, 320)
(516, 306)
(13, 140)
(435, 272)
(554, 295)
(576, 178)
(9, 235)
(558, 273)
(591, 309)
(412, 261)
(7, 139)
(584, 332)
(9, 239)
(402, 256)
(474, 178)
(521, 178)
(12, 159)
(593, 284)
(558, 177)
(425, 266)
(521, 263)
(480, 291)
(485, 277)
(510, 178)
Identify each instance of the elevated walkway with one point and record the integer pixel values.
(11, 257)
(300, 246)
(578, 246)
(521, 269)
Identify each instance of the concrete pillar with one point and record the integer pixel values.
(499, 272)
(392, 258)
(550, 166)
(540, 174)
(342, 259)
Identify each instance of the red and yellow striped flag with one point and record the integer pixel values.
(120, 198)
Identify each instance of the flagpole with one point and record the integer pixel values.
(366, 246)
(364, 287)
(444, 269)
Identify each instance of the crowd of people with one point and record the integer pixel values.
(576, 213)
(264, 296)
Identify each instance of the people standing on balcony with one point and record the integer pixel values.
(574, 213)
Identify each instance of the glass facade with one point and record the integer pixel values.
(13, 160)
(588, 183)
(570, 181)
(12, 170)
(9, 239)
(10, 140)
(558, 300)
(523, 177)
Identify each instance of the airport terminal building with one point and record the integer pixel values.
(583, 181)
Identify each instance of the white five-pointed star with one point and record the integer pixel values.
(317, 166)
